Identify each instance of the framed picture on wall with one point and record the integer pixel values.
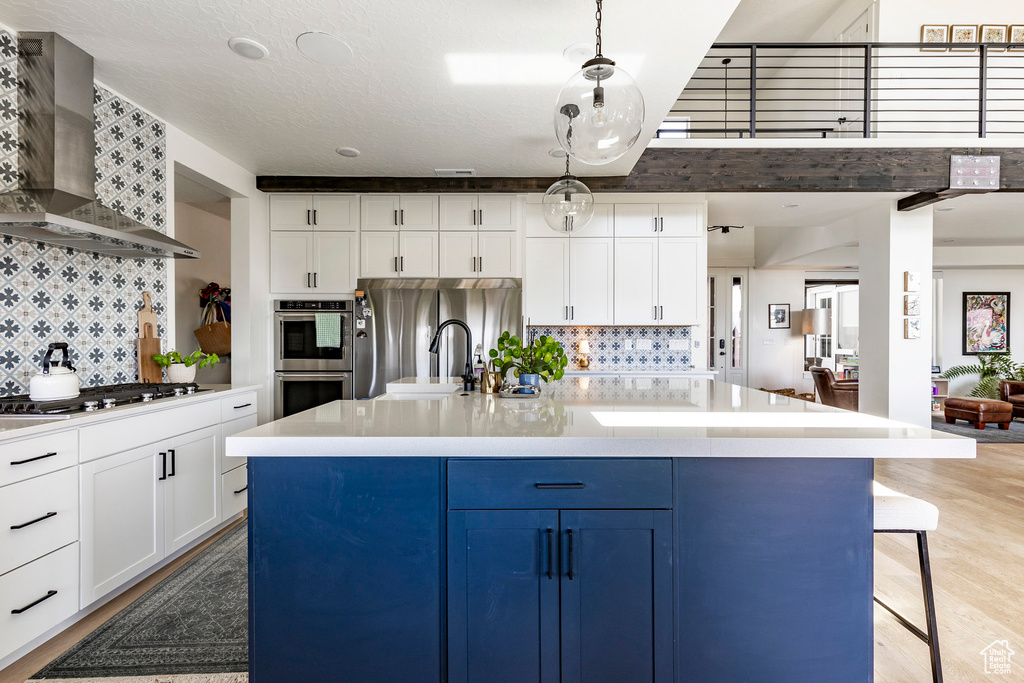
(963, 33)
(934, 33)
(990, 33)
(1016, 35)
(778, 316)
(986, 322)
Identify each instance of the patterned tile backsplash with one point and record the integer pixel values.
(608, 347)
(50, 293)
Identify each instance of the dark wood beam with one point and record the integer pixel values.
(789, 169)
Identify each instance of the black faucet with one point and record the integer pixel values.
(467, 376)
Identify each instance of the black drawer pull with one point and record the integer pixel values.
(576, 485)
(171, 473)
(570, 554)
(551, 554)
(38, 519)
(163, 459)
(242, 489)
(244, 405)
(49, 594)
(38, 457)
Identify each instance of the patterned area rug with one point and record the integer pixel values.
(193, 622)
(990, 434)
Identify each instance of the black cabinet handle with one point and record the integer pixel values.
(570, 554)
(572, 313)
(474, 216)
(401, 216)
(308, 275)
(401, 263)
(551, 554)
(574, 485)
(242, 489)
(396, 216)
(481, 216)
(314, 216)
(49, 594)
(660, 229)
(396, 264)
(315, 284)
(661, 312)
(37, 519)
(481, 269)
(308, 221)
(163, 458)
(171, 451)
(244, 405)
(38, 457)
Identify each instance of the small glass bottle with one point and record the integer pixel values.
(478, 365)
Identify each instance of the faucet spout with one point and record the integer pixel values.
(435, 343)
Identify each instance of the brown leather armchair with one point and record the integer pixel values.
(1013, 393)
(838, 393)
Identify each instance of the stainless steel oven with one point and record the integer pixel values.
(295, 346)
(298, 391)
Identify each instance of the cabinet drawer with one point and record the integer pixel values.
(31, 457)
(45, 509)
(19, 589)
(230, 429)
(568, 483)
(116, 436)
(241, 405)
(234, 492)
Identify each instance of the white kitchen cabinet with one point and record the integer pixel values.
(636, 280)
(663, 220)
(546, 281)
(478, 212)
(328, 212)
(234, 493)
(37, 516)
(379, 211)
(379, 253)
(602, 223)
(568, 281)
(399, 212)
(319, 261)
(458, 212)
(291, 212)
(657, 281)
(498, 212)
(418, 254)
(36, 597)
(681, 269)
(467, 254)
(192, 497)
(459, 252)
(636, 220)
(591, 277)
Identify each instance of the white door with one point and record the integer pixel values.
(636, 220)
(680, 273)
(727, 324)
(334, 262)
(336, 212)
(498, 254)
(418, 212)
(591, 273)
(602, 224)
(122, 519)
(458, 212)
(498, 212)
(819, 349)
(636, 280)
(291, 212)
(192, 498)
(378, 254)
(417, 256)
(379, 212)
(291, 269)
(546, 281)
(680, 220)
(458, 254)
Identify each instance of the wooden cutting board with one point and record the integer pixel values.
(147, 317)
(148, 343)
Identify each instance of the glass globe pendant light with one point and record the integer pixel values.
(611, 109)
(568, 204)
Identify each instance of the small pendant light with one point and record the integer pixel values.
(568, 204)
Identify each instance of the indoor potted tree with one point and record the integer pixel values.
(543, 358)
(182, 369)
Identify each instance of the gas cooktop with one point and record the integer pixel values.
(95, 398)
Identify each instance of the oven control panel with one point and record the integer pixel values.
(292, 305)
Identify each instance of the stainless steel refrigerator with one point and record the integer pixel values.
(395, 320)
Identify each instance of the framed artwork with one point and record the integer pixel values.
(911, 281)
(963, 33)
(778, 316)
(986, 322)
(1016, 35)
(934, 33)
(912, 304)
(911, 328)
(991, 33)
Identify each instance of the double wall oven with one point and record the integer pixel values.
(307, 374)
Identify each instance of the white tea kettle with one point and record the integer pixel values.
(56, 381)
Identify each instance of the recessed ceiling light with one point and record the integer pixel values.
(557, 152)
(945, 208)
(578, 53)
(790, 206)
(348, 151)
(324, 48)
(248, 48)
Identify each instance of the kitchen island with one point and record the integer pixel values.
(610, 529)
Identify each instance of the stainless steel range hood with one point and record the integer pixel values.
(55, 201)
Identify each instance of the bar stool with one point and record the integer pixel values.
(896, 513)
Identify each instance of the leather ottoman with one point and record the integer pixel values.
(978, 411)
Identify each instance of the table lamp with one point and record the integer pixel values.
(584, 349)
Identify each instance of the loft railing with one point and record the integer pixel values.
(845, 90)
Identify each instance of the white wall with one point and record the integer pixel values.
(778, 364)
(734, 250)
(901, 20)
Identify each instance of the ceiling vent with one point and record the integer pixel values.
(454, 172)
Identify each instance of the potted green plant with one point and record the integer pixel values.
(991, 369)
(544, 358)
(182, 369)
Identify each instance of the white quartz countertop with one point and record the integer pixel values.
(17, 427)
(639, 373)
(595, 417)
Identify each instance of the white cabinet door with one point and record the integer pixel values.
(418, 212)
(378, 253)
(418, 254)
(336, 212)
(534, 224)
(379, 211)
(679, 273)
(498, 254)
(636, 280)
(234, 492)
(122, 519)
(458, 257)
(290, 268)
(291, 212)
(636, 220)
(591, 272)
(681, 220)
(602, 224)
(192, 496)
(334, 262)
(498, 212)
(53, 577)
(458, 212)
(546, 281)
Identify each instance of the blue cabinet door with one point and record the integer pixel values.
(503, 581)
(616, 596)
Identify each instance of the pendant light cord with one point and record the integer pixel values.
(597, 32)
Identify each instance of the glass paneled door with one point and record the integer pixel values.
(727, 324)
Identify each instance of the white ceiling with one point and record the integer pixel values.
(396, 101)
